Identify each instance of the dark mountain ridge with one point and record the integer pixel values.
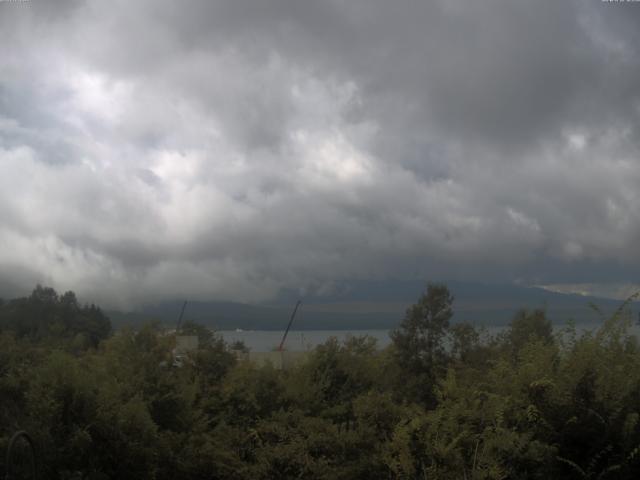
(376, 305)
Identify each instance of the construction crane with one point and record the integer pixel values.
(184, 343)
(184, 305)
(284, 337)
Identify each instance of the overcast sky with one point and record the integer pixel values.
(228, 149)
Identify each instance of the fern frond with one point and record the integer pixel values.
(573, 465)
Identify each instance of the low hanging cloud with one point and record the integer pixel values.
(227, 150)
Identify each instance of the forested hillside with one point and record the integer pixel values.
(443, 401)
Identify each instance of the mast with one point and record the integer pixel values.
(184, 305)
(284, 337)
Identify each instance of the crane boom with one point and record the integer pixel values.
(284, 337)
(184, 305)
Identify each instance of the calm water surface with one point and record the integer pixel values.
(265, 340)
(297, 340)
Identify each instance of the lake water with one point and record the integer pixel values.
(297, 340)
(267, 340)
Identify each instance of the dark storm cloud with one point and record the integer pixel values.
(230, 149)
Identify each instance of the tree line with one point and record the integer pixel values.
(445, 400)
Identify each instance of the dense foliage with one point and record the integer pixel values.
(444, 401)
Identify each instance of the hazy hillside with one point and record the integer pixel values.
(373, 305)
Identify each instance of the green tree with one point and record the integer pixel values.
(419, 341)
(45, 315)
(527, 326)
(465, 342)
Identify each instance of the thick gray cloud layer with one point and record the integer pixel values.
(228, 149)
